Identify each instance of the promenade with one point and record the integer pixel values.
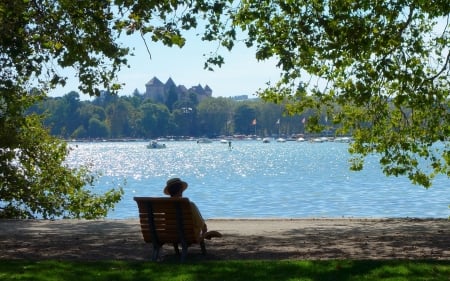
(242, 239)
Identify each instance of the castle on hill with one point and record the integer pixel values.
(160, 92)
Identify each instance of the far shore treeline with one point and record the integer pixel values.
(111, 116)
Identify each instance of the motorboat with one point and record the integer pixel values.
(266, 140)
(319, 140)
(156, 145)
(281, 140)
(204, 140)
(343, 139)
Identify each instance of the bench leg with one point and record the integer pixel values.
(184, 250)
(156, 249)
(175, 247)
(203, 247)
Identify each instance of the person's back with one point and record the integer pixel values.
(174, 188)
(199, 223)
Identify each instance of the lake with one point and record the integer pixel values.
(260, 180)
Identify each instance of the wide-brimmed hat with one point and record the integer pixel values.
(175, 182)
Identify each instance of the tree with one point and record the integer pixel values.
(213, 115)
(384, 63)
(118, 115)
(245, 119)
(98, 129)
(80, 132)
(36, 182)
(89, 111)
(38, 39)
(154, 121)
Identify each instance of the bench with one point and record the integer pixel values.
(167, 220)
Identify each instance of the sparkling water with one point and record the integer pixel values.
(260, 180)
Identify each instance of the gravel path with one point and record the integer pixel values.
(242, 239)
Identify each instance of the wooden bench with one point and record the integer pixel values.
(167, 220)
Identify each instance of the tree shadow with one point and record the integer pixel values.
(122, 240)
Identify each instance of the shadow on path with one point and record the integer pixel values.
(122, 240)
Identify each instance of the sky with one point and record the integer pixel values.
(241, 74)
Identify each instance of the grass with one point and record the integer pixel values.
(52, 270)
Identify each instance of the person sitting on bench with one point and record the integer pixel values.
(175, 188)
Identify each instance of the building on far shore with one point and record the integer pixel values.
(161, 92)
(240, 97)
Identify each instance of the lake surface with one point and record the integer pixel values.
(260, 180)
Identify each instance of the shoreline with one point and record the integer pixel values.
(296, 238)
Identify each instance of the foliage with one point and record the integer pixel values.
(243, 118)
(38, 40)
(138, 117)
(154, 119)
(226, 270)
(214, 116)
(97, 129)
(37, 184)
(377, 68)
(384, 63)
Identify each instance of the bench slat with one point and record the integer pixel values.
(162, 217)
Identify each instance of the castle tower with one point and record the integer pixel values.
(154, 89)
(208, 91)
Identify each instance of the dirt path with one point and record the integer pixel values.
(242, 239)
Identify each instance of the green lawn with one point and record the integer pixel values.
(225, 270)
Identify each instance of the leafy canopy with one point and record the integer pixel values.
(378, 68)
(39, 38)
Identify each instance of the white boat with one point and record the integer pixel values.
(266, 140)
(204, 140)
(156, 145)
(319, 140)
(343, 139)
(281, 140)
(300, 139)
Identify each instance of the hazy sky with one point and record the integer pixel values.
(241, 74)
